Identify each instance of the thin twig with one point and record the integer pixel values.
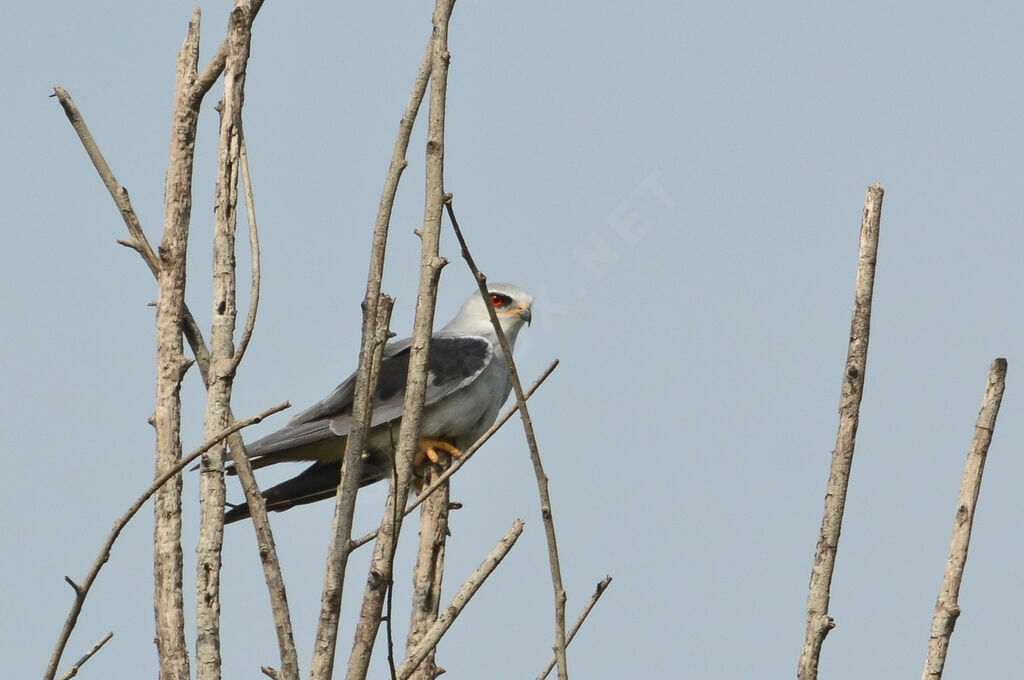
(598, 592)
(138, 240)
(82, 590)
(459, 602)
(531, 440)
(389, 628)
(73, 671)
(254, 249)
(376, 319)
(466, 455)
(947, 608)
(415, 390)
(819, 623)
(270, 672)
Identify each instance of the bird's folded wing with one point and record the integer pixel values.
(290, 438)
(455, 362)
(339, 402)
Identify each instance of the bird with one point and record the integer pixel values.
(467, 383)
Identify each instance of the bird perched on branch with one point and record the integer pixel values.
(467, 382)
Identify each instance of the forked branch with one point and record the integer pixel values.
(223, 356)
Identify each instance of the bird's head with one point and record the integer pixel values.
(511, 303)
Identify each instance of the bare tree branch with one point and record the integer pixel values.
(459, 602)
(531, 440)
(466, 455)
(412, 414)
(598, 592)
(947, 609)
(172, 319)
(82, 590)
(205, 82)
(376, 320)
(171, 366)
(194, 335)
(223, 356)
(137, 240)
(372, 352)
(237, 43)
(429, 571)
(819, 623)
(73, 671)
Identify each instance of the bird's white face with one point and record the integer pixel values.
(512, 305)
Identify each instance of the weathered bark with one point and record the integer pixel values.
(222, 351)
(429, 572)
(168, 601)
(947, 607)
(819, 623)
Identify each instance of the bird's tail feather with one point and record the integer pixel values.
(317, 482)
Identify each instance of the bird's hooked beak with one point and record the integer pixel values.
(525, 315)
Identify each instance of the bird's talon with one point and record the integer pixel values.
(431, 449)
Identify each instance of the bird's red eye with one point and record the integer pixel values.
(497, 300)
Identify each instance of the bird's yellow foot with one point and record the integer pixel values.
(429, 452)
(430, 449)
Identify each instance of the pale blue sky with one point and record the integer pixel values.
(681, 188)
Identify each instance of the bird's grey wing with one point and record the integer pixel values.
(455, 362)
(339, 402)
(295, 441)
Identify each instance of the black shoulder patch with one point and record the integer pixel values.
(451, 360)
(393, 371)
(454, 359)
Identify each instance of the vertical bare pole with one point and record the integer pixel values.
(412, 414)
(819, 623)
(222, 352)
(947, 609)
(427, 577)
(376, 319)
(168, 601)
